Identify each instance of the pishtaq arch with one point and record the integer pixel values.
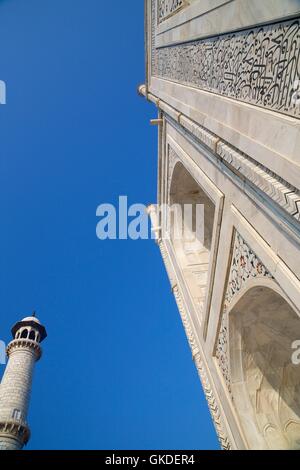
(229, 138)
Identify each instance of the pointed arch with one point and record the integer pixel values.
(265, 383)
(191, 229)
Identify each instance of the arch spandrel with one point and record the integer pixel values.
(258, 327)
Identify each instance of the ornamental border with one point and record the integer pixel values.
(258, 66)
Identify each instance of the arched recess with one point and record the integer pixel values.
(24, 333)
(32, 335)
(265, 382)
(193, 254)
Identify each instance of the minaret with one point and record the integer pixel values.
(23, 351)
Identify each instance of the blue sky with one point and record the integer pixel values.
(117, 371)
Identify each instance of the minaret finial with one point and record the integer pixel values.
(34, 314)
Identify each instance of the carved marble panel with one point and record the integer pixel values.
(245, 265)
(260, 66)
(167, 8)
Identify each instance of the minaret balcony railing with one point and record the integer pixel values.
(16, 429)
(24, 343)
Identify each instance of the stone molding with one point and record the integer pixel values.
(199, 132)
(281, 192)
(245, 167)
(19, 344)
(276, 188)
(212, 402)
(245, 265)
(258, 66)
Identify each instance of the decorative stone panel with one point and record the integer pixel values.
(245, 265)
(167, 8)
(259, 66)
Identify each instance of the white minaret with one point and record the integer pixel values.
(23, 351)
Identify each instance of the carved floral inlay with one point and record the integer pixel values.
(260, 66)
(245, 265)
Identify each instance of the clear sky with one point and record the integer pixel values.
(117, 371)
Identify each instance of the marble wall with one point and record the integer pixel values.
(225, 79)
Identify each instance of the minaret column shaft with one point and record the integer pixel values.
(15, 388)
(16, 385)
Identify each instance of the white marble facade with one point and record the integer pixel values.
(225, 77)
